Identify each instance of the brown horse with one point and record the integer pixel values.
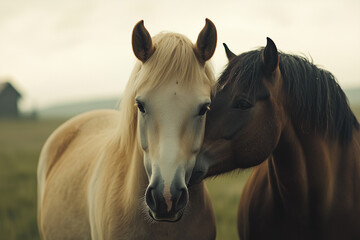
(123, 175)
(291, 120)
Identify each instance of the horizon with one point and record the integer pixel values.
(67, 51)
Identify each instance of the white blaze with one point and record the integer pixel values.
(167, 196)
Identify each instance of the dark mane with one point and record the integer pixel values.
(317, 101)
(244, 72)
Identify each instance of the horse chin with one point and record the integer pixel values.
(175, 218)
(196, 178)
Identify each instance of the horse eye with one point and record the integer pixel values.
(204, 108)
(140, 106)
(243, 104)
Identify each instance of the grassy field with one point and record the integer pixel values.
(225, 194)
(20, 144)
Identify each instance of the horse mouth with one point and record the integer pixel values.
(170, 218)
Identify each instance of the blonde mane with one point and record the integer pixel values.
(174, 57)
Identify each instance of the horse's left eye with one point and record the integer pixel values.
(203, 109)
(243, 104)
(140, 106)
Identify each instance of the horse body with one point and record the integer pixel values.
(64, 172)
(290, 121)
(111, 174)
(113, 209)
(308, 189)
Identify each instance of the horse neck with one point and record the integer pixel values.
(308, 171)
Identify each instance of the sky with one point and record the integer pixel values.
(63, 51)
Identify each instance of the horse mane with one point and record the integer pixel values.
(317, 101)
(174, 59)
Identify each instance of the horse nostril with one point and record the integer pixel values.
(181, 199)
(150, 198)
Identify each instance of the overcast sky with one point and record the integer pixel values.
(60, 51)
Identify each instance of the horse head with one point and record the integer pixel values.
(245, 120)
(173, 95)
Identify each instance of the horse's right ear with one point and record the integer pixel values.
(230, 55)
(206, 42)
(270, 57)
(141, 42)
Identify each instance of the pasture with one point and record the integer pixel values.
(20, 144)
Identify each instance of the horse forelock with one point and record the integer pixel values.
(173, 57)
(243, 73)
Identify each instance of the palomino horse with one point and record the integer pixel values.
(291, 120)
(97, 171)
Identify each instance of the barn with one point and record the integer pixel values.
(9, 97)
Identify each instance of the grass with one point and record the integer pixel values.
(356, 110)
(20, 145)
(225, 194)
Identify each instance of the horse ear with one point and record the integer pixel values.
(141, 42)
(206, 42)
(270, 57)
(230, 55)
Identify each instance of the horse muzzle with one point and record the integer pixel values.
(166, 204)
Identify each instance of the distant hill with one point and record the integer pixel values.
(353, 95)
(72, 109)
